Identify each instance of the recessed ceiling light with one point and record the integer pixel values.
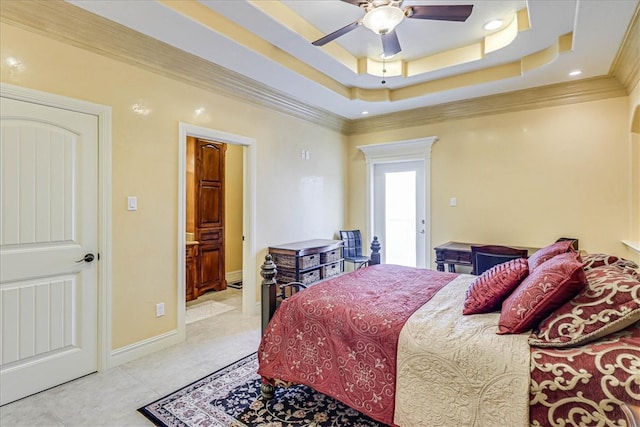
(364, 113)
(199, 111)
(575, 73)
(383, 56)
(494, 24)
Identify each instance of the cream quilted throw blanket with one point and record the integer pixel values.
(454, 370)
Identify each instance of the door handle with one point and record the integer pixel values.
(87, 258)
(422, 231)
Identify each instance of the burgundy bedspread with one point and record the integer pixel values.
(341, 336)
(583, 385)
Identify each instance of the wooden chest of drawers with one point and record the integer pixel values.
(308, 261)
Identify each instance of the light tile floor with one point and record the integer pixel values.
(112, 397)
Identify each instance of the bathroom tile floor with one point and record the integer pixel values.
(112, 397)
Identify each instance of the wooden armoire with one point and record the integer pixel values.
(205, 212)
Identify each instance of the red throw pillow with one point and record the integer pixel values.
(609, 303)
(487, 292)
(549, 252)
(545, 289)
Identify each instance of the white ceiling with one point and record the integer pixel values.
(598, 28)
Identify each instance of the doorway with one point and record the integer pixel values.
(399, 199)
(398, 212)
(250, 305)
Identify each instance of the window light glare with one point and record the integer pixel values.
(575, 73)
(494, 24)
(141, 109)
(13, 63)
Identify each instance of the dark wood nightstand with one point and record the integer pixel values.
(459, 253)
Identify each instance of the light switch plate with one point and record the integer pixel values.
(132, 203)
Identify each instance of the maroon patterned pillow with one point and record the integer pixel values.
(546, 288)
(487, 292)
(609, 303)
(549, 252)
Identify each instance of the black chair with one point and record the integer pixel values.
(352, 249)
(487, 256)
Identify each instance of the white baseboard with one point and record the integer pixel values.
(233, 276)
(143, 348)
(159, 342)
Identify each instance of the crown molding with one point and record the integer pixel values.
(70, 24)
(545, 96)
(65, 22)
(626, 65)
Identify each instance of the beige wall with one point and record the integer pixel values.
(524, 178)
(233, 209)
(296, 199)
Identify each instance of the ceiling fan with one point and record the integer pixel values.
(383, 16)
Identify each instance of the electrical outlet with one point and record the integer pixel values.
(160, 309)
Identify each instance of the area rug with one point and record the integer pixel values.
(231, 397)
(204, 310)
(235, 285)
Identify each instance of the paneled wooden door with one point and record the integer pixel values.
(209, 214)
(48, 236)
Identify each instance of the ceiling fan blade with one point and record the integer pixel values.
(390, 44)
(342, 31)
(458, 13)
(356, 2)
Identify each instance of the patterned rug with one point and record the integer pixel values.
(231, 397)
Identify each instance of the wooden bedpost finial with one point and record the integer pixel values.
(268, 272)
(375, 251)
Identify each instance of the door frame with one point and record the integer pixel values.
(394, 152)
(103, 113)
(250, 305)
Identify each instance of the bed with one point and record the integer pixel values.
(393, 342)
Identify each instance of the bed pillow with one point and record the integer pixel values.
(548, 252)
(546, 288)
(609, 303)
(488, 290)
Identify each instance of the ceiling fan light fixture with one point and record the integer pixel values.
(383, 19)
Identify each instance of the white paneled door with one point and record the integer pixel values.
(48, 235)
